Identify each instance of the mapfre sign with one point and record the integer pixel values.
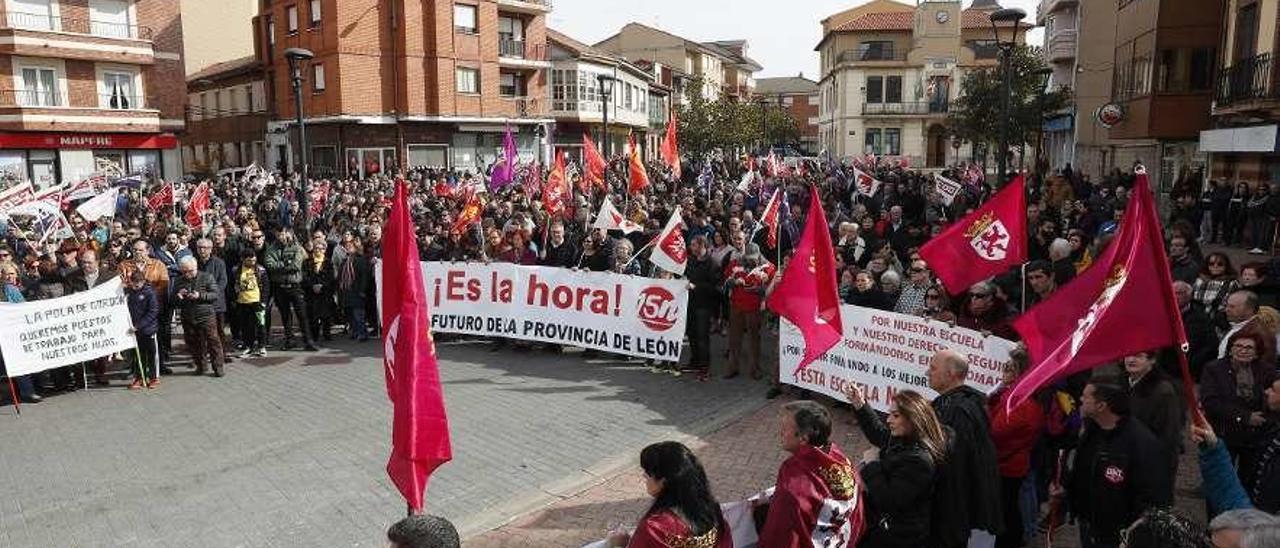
(88, 140)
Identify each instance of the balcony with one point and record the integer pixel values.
(872, 55)
(524, 107)
(514, 53)
(29, 109)
(1246, 83)
(532, 7)
(914, 108)
(72, 25)
(1047, 7)
(983, 50)
(1060, 45)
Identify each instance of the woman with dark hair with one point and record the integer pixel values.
(937, 305)
(1161, 528)
(683, 513)
(1015, 433)
(1232, 392)
(1217, 279)
(867, 293)
(898, 474)
(1255, 277)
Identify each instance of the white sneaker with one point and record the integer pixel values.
(1255, 251)
(245, 353)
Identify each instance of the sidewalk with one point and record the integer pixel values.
(740, 459)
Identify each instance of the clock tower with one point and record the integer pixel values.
(936, 24)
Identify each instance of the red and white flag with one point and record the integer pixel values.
(594, 165)
(1122, 304)
(984, 243)
(807, 296)
(668, 248)
(637, 176)
(161, 198)
(770, 217)
(198, 206)
(419, 426)
(865, 184)
(555, 192)
(610, 219)
(319, 199)
(471, 210)
(775, 165)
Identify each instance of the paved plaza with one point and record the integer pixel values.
(289, 450)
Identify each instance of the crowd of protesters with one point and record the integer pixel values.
(257, 258)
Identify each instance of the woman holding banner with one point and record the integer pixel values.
(26, 392)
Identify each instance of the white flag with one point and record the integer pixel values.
(668, 249)
(609, 219)
(745, 184)
(946, 188)
(866, 184)
(102, 205)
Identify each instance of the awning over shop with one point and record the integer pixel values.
(1066, 122)
(1239, 139)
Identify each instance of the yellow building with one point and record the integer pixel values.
(890, 72)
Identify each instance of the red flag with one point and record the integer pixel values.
(419, 426)
(442, 189)
(865, 184)
(983, 244)
(161, 198)
(198, 206)
(770, 217)
(669, 149)
(594, 165)
(555, 192)
(470, 213)
(1122, 304)
(807, 294)
(638, 177)
(668, 248)
(319, 199)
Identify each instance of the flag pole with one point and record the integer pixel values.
(13, 392)
(1024, 286)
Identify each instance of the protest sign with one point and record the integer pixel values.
(14, 195)
(885, 352)
(42, 335)
(643, 317)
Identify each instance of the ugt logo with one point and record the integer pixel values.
(658, 309)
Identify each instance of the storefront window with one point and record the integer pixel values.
(367, 162)
(13, 167)
(44, 168)
(145, 161)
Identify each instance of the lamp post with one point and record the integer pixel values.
(296, 57)
(764, 124)
(1042, 82)
(1011, 19)
(606, 93)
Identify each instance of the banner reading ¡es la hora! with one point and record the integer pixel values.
(643, 317)
(885, 352)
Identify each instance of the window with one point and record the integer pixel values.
(33, 14)
(271, 32)
(877, 50)
(291, 13)
(468, 80)
(428, 156)
(787, 101)
(893, 89)
(984, 49)
(1185, 69)
(317, 77)
(315, 14)
(111, 18)
(366, 162)
(510, 37)
(892, 141)
(872, 142)
(118, 91)
(875, 89)
(324, 161)
(248, 99)
(1246, 32)
(464, 18)
(40, 87)
(511, 85)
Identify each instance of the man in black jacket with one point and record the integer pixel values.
(968, 496)
(559, 252)
(284, 267)
(194, 293)
(211, 264)
(1117, 470)
(704, 297)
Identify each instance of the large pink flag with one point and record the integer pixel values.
(807, 295)
(1122, 304)
(419, 428)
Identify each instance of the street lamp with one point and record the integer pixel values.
(296, 57)
(1011, 19)
(606, 92)
(763, 101)
(1042, 82)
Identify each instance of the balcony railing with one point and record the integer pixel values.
(30, 98)
(984, 51)
(116, 101)
(900, 109)
(1248, 79)
(525, 106)
(106, 29)
(873, 54)
(521, 49)
(1061, 44)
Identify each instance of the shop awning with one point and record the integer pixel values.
(1239, 139)
(1060, 123)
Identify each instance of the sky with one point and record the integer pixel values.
(780, 35)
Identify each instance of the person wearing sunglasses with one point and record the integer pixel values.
(1217, 280)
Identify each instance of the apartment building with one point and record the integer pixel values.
(723, 65)
(889, 72)
(799, 97)
(1243, 145)
(1094, 152)
(1060, 19)
(89, 83)
(407, 83)
(1162, 84)
(227, 117)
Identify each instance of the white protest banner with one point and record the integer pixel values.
(946, 188)
(16, 194)
(42, 335)
(629, 315)
(886, 352)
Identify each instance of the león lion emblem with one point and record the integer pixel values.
(989, 237)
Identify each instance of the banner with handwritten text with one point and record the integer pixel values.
(42, 335)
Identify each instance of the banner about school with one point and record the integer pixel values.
(886, 352)
(42, 335)
(629, 315)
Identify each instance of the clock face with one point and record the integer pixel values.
(943, 16)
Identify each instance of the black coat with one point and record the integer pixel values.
(969, 484)
(218, 270)
(321, 301)
(705, 277)
(1115, 476)
(1157, 403)
(899, 487)
(564, 255)
(873, 298)
(1262, 480)
(197, 305)
(1227, 412)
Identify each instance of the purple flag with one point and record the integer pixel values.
(504, 173)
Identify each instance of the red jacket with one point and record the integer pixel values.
(1014, 433)
(816, 502)
(747, 295)
(665, 530)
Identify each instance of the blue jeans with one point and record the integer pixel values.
(356, 323)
